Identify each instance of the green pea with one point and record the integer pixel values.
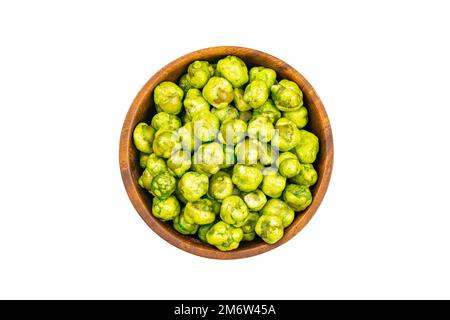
(168, 97)
(143, 136)
(308, 147)
(218, 92)
(297, 197)
(234, 70)
(256, 93)
(269, 228)
(165, 209)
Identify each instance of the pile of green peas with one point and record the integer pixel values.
(226, 156)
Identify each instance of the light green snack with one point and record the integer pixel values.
(286, 136)
(224, 236)
(143, 136)
(155, 165)
(289, 168)
(307, 175)
(205, 126)
(299, 117)
(200, 212)
(166, 121)
(225, 114)
(220, 185)
(233, 131)
(179, 162)
(182, 226)
(308, 147)
(273, 184)
(234, 70)
(256, 93)
(166, 142)
(163, 185)
(194, 103)
(246, 178)
(234, 211)
(269, 228)
(168, 97)
(186, 134)
(239, 101)
(199, 73)
(218, 92)
(184, 84)
(209, 158)
(203, 230)
(255, 200)
(145, 180)
(280, 209)
(268, 110)
(165, 209)
(267, 75)
(249, 226)
(287, 96)
(247, 151)
(193, 185)
(297, 197)
(143, 157)
(261, 128)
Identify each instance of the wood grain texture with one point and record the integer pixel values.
(142, 109)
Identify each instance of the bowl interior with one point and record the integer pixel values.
(143, 109)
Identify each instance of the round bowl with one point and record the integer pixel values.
(142, 109)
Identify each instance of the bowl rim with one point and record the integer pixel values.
(182, 242)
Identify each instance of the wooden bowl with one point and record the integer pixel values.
(143, 109)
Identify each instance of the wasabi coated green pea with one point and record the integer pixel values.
(145, 180)
(220, 185)
(269, 228)
(256, 93)
(299, 117)
(186, 134)
(308, 147)
(218, 92)
(165, 121)
(255, 200)
(200, 212)
(268, 110)
(248, 228)
(246, 178)
(166, 142)
(194, 103)
(245, 115)
(206, 126)
(307, 175)
(179, 162)
(143, 136)
(155, 165)
(193, 185)
(247, 151)
(199, 73)
(168, 97)
(184, 84)
(297, 197)
(209, 157)
(228, 113)
(287, 96)
(163, 185)
(165, 209)
(286, 136)
(239, 101)
(143, 157)
(267, 154)
(267, 75)
(279, 208)
(261, 128)
(182, 226)
(289, 168)
(229, 156)
(233, 131)
(234, 70)
(284, 156)
(234, 211)
(273, 184)
(224, 236)
(179, 196)
(203, 230)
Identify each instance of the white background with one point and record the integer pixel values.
(69, 71)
